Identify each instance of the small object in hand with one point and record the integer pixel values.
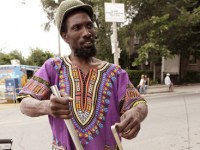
(116, 136)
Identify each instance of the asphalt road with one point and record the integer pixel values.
(172, 124)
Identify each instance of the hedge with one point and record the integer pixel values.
(135, 75)
(192, 77)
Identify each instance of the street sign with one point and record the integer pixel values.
(114, 12)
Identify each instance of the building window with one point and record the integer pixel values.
(192, 60)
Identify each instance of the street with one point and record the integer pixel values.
(27, 133)
(172, 124)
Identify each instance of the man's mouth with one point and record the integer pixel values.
(88, 43)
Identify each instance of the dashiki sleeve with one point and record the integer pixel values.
(39, 85)
(127, 93)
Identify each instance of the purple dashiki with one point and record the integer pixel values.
(100, 97)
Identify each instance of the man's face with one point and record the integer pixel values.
(80, 34)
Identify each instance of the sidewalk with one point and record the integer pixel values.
(4, 101)
(8, 105)
(187, 88)
(156, 89)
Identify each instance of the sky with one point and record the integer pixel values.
(21, 28)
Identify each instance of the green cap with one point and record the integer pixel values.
(66, 7)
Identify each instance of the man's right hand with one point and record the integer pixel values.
(60, 107)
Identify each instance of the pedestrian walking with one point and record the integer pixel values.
(146, 83)
(141, 85)
(169, 83)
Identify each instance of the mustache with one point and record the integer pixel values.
(89, 39)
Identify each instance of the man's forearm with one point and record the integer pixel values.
(33, 107)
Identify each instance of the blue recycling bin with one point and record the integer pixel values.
(11, 84)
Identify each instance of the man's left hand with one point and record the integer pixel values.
(129, 125)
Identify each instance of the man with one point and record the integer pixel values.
(95, 94)
(169, 83)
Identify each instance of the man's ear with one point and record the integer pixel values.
(65, 37)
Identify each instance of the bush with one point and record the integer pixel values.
(192, 77)
(135, 75)
(153, 82)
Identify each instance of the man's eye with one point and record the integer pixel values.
(90, 26)
(76, 28)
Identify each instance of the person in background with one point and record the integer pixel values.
(169, 83)
(95, 94)
(24, 78)
(146, 83)
(141, 85)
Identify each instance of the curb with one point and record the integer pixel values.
(8, 105)
(160, 94)
(4, 101)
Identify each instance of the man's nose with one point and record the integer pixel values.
(86, 32)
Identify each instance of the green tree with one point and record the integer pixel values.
(38, 57)
(164, 28)
(5, 59)
(16, 54)
(49, 7)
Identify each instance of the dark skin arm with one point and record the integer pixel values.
(58, 107)
(130, 123)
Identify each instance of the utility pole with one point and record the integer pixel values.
(114, 12)
(59, 50)
(115, 42)
(162, 70)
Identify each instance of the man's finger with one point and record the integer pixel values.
(132, 133)
(63, 94)
(122, 125)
